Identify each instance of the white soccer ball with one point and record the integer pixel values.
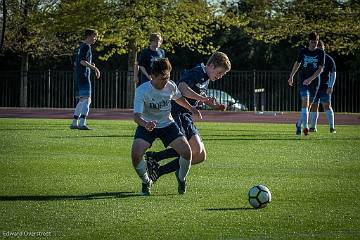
(259, 196)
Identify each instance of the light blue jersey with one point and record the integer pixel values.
(155, 104)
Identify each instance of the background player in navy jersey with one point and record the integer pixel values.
(310, 61)
(323, 96)
(83, 65)
(192, 84)
(152, 107)
(147, 57)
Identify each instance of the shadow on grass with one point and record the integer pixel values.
(94, 136)
(94, 196)
(230, 209)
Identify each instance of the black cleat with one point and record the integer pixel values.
(332, 130)
(181, 184)
(145, 189)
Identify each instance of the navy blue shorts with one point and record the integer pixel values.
(83, 87)
(166, 134)
(186, 124)
(322, 97)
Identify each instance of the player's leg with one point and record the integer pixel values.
(164, 154)
(142, 141)
(84, 113)
(182, 146)
(76, 115)
(314, 114)
(326, 103)
(304, 114)
(197, 149)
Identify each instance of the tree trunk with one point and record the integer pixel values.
(24, 79)
(130, 86)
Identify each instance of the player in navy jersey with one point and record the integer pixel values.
(152, 105)
(323, 96)
(147, 57)
(310, 61)
(192, 84)
(83, 65)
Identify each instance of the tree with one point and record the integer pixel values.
(125, 25)
(337, 22)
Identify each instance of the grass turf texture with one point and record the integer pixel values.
(81, 185)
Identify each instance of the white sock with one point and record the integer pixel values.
(184, 168)
(77, 113)
(84, 111)
(141, 171)
(330, 117)
(313, 119)
(305, 116)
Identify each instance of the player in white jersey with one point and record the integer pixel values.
(152, 113)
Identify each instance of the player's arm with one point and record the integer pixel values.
(315, 75)
(293, 72)
(332, 79)
(136, 73)
(184, 103)
(148, 125)
(186, 91)
(91, 66)
(143, 70)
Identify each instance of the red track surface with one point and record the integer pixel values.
(208, 116)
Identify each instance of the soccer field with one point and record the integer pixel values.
(59, 183)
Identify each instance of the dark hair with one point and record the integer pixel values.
(313, 36)
(161, 66)
(89, 32)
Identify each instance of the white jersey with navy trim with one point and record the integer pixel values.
(155, 104)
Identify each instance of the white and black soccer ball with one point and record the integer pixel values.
(259, 196)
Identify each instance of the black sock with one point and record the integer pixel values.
(169, 167)
(165, 154)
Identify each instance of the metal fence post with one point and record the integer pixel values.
(48, 87)
(254, 82)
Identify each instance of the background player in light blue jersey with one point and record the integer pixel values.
(310, 61)
(323, 96)
(152, 106)
(146, 59)
(192, 84)
(83, 65)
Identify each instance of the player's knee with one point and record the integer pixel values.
(199, 157)
(186, 153)
(136, 158)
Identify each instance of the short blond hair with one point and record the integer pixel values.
(155, 36)
(219, 59)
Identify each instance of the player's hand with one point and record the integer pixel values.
(307, 81)
(136, 80)
(97, 72)
(290, 81)
(150, 125)
(195, 111)
(209, 101)
(220, 107)
(329, 91)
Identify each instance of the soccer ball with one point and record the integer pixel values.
(259, 196)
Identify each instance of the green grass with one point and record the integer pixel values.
(81, 184)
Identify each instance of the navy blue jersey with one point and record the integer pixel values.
(146, 59)
(327, 74)
(310, 62)
(84, 53)
(198, 80)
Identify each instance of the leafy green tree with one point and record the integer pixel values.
(337, 22)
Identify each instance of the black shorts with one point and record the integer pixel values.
(186, 124)
(166, 134)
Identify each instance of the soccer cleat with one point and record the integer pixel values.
(145, 189)
(181, 184)
(298, 129)
(84, 128)
(332, 130)
(306, 131)
(73, 126)
(152, 166)
(312, 130)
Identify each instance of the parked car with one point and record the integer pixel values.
(225, 98)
